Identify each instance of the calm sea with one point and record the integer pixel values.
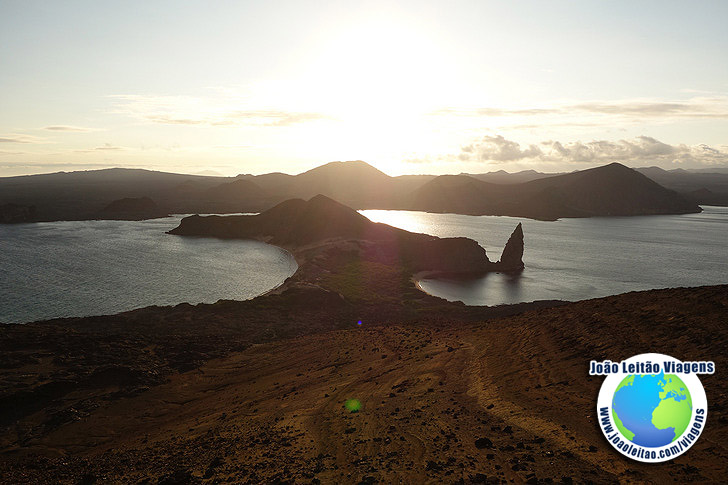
(575, 259)
(61, 269)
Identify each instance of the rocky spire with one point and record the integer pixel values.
(512, 257)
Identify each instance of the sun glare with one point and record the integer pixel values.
(378, 66)
(377, 81)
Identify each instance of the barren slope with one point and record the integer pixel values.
(520, 385)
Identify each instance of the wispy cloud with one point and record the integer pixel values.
(109, 146)
(79, 129)
(277, 117)
(18, 138)
(33, 167)
(716, 107)
(60, 165)
(169, 120)
(236, 147)
(705, 107)
(641, 150)
(189, 110)
(106, 147)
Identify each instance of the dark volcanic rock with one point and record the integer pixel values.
(482, 443)
(449, 255)
(236, 191)
(131, 204)
(13, 213)
(132, 208)
(297, 223)
(512, 257)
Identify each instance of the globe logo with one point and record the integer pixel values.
(652, 407)
(652, 410)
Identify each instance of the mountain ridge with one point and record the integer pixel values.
(622, 191)
(609, 190)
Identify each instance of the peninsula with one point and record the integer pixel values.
(322, 225)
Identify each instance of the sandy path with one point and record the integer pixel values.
(516, 387)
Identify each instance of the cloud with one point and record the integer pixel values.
(108, 146)
(58, 165)
(173, 121)
(641, 150)
(696, 108)
(29, 168)
(705, 107)
(189, 110)
(498, 149)
(276, 117)
(497, 112)
(235, 147)
(17, 138)
(69, 128)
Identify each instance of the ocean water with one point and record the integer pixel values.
(576, 259)
(63, 269)
(59, 269)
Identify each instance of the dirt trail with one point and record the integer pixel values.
(501, 401)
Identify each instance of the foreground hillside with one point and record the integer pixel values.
(447, 397)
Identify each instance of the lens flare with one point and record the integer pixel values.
(352, 405)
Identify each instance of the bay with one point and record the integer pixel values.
(576, 259)
(81, 268)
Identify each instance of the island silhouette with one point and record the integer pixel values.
(610, 190)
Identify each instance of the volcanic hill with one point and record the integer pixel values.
(603, 191)
(611, 190)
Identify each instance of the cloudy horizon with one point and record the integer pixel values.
(409, 87)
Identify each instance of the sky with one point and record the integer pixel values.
(230, 87)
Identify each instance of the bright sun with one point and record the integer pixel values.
(377, 81)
